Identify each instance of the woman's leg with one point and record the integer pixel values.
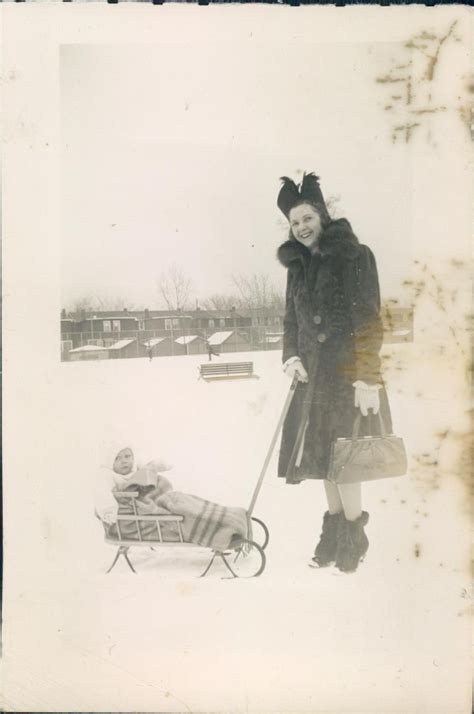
(352, 540)
(325, 551)
(333, 497)
(351, 497)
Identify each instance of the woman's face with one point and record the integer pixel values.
(123, 463)
(305, 225)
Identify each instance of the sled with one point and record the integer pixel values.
(243, 558)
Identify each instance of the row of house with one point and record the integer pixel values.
(130, 333)
(104, 329)
(149, 320)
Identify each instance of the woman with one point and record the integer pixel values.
(332, 340)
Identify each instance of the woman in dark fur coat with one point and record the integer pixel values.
(332, 340)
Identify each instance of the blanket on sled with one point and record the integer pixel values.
(206, 523)
(145, 504)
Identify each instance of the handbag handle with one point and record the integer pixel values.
(357, 421)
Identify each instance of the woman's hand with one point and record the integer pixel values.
(295, 367)
(366, 397)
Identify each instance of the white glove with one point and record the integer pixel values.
(366, 397)
(295, 367)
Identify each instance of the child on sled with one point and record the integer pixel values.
(204, 523)
(120, 472)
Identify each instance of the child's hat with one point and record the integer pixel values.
(111, 449)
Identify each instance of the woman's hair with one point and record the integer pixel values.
(320, 210)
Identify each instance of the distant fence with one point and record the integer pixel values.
(161, 343)
(175, 342)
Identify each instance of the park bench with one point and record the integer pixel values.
(226, 370)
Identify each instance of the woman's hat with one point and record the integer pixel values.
(308, 191)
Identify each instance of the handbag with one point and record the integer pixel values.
(367, 458)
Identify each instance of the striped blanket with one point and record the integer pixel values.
(206, 523)
(137, 528)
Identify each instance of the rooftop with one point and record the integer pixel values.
(219, 337)
(186, 339)
(120, 344)
(154, 341)
(89, 348)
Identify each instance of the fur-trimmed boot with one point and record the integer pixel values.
(325, 551)
(352, 543)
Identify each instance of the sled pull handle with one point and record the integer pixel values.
(286, 407)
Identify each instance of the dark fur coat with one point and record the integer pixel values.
(332, 322)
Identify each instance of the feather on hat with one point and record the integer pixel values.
(309, 191)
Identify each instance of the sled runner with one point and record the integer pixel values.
(232, 534)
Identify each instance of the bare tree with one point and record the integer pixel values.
(80, 304)
(174, 288)
(277, 299)
(114, 302)
(332, 204)
(86, 304)
(221, 301)
(101, 302)
(252, 289)
(256, 291)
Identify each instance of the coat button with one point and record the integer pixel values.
(317, 319)
(322, 337)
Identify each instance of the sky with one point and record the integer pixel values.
(172, 154)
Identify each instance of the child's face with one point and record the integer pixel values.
(123, 463)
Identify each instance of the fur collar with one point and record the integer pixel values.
(336, 240)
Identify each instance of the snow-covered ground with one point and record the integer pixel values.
(391, 638)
